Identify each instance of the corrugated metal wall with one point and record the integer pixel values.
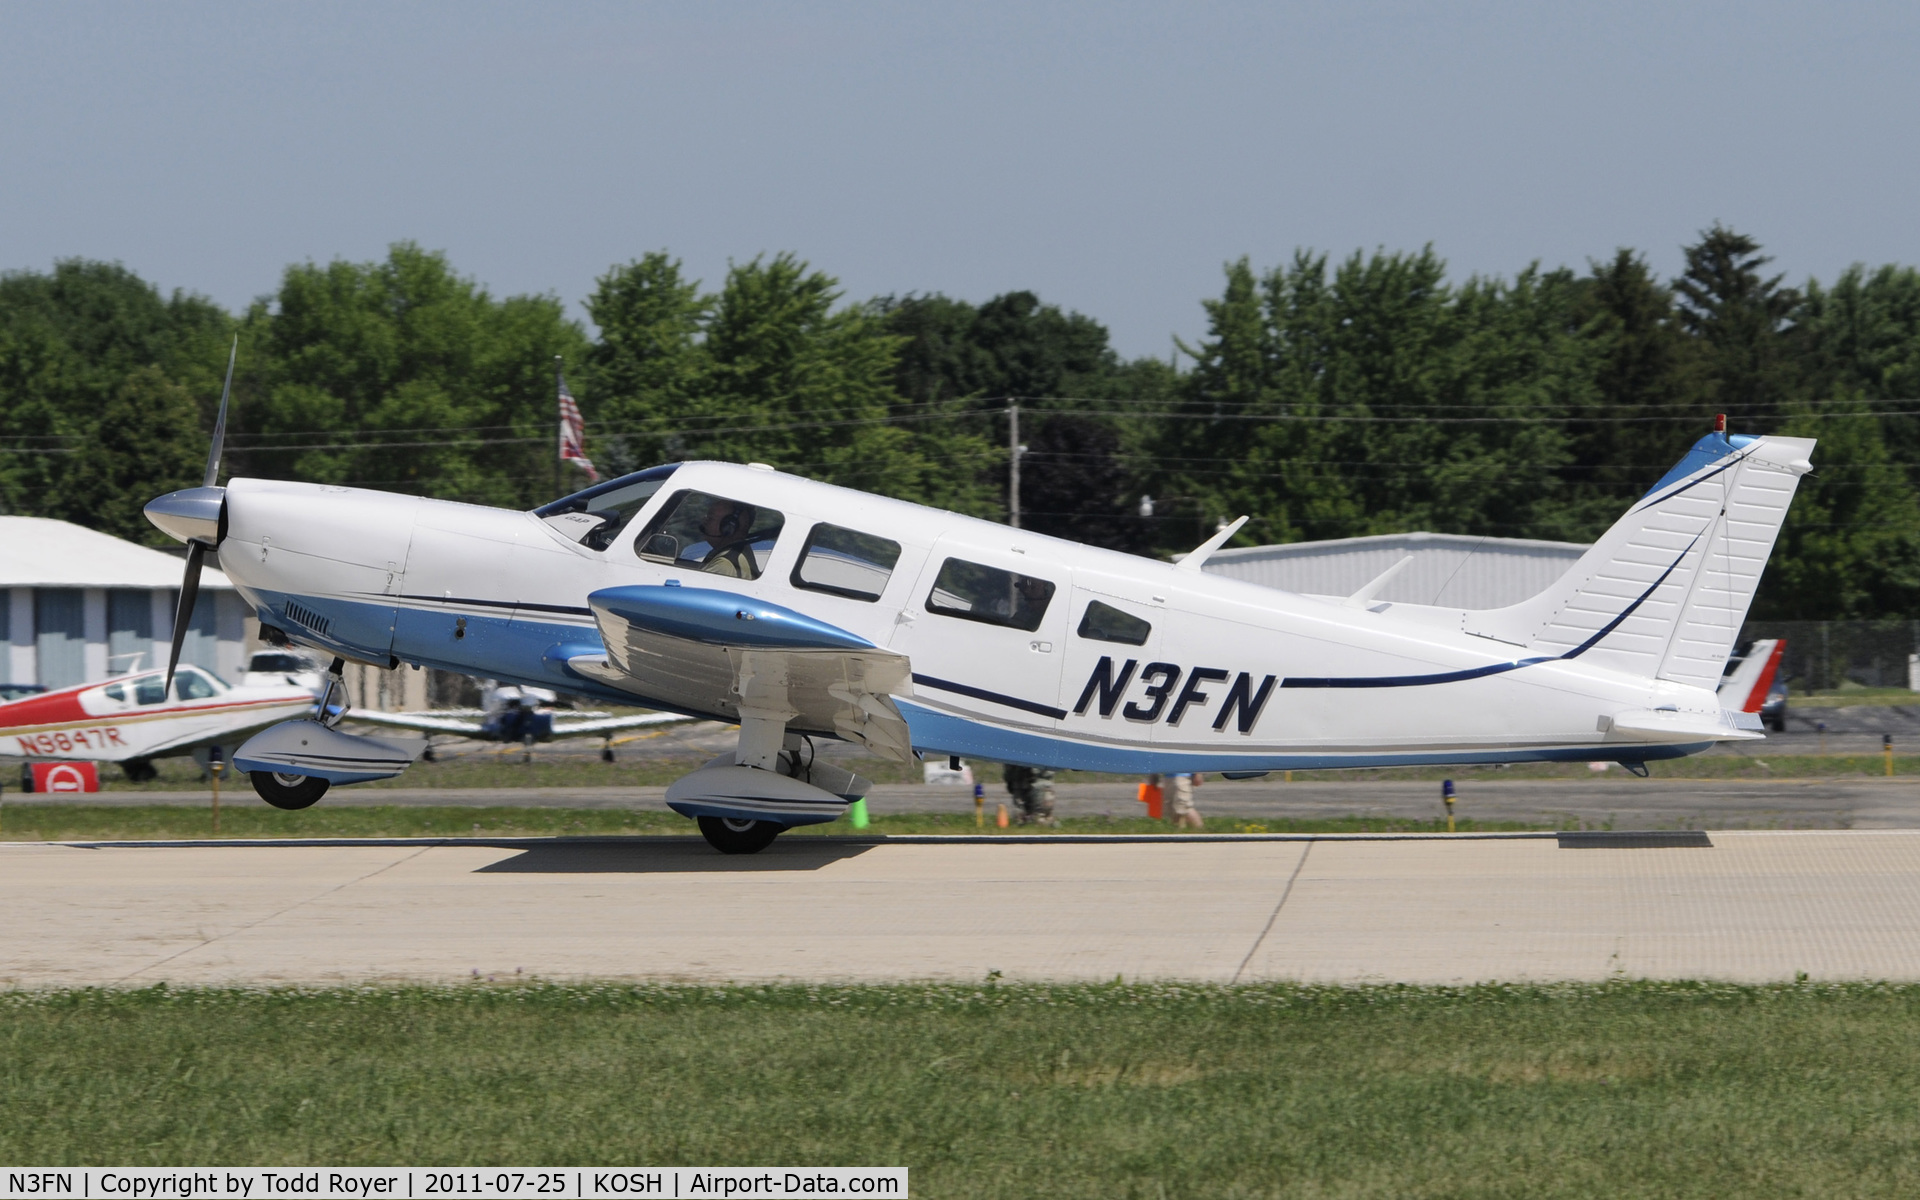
(1447, 569)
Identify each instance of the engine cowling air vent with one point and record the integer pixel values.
(303, 615)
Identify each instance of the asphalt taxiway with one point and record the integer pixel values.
(1430, 909)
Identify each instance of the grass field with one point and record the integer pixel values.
(104, 822)
(1003, 1091)
(566, 769)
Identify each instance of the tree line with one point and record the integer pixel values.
(1326, 399)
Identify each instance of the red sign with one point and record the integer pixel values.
(66, 777)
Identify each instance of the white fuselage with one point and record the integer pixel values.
(136, 717)
(1224, 677)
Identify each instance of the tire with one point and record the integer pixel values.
(288, 791)
(729, 836)
(139, 770)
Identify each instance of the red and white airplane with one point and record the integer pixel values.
(137, 718)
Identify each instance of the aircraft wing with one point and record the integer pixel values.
(562, 728)
(420, 721)
(601, 726)
(718, 652)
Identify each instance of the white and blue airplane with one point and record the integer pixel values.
(800, 610)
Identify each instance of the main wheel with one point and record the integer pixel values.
(288, 791)
(729, 836)
(139, 770)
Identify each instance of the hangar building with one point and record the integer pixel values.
(77, 605)
(1448, 569)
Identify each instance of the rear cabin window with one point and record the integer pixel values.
(596, 516)
(1105, 623)
(714, 534)
(977, 592)
(845, 562)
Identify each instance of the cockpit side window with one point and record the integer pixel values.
(715, 534)
(1105, 623)
(150, 689)
(845, 562)
(982, 593)
(596, 516)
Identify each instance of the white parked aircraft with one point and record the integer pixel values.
(524, 715)
(803, 610)
(137, 718)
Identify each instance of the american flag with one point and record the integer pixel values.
(573, 432)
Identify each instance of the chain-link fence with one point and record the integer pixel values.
(1822, 655)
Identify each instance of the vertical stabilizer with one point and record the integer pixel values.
(1663, 593)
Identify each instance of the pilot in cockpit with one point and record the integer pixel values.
(727, 527)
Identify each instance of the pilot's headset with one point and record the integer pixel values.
(736, 521)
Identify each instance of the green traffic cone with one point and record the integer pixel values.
(858, 812)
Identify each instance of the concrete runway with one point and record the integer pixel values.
(1614, 800)
(1736, 905)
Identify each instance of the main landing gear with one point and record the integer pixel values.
(730, 835)
(745, 799)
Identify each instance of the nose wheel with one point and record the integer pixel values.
(729, 835)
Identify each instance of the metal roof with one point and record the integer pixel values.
(1453, 570)
(40, 552)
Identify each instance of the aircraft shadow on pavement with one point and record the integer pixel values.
(692, 857)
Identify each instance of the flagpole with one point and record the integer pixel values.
(559, 467)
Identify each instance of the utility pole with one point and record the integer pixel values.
(559, 466)
(1013, 464)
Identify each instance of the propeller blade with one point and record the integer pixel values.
(219, 435)
(183, 612)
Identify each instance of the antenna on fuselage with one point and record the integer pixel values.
(1199, 555)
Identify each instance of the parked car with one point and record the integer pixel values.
(268, 668)
(1773, 714)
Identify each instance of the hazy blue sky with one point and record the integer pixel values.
(1108, 156)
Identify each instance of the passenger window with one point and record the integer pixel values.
(115, 693)
(149, 689)
(845, 562)
(1105, 623)
(982, 593)
(711, 534)
(192, 685)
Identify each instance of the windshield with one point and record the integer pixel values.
(596, 516)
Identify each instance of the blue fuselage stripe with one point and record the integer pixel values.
(1394, 681)
(961, 689)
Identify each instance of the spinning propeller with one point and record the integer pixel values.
(198, 517)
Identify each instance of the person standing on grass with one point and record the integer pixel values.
(1032, 792)
(1185, 815)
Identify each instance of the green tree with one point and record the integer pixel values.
(404, 376)
(1851, 543)
(770, 369)
(1639, 416)
(1741, 322)
(106, 393)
